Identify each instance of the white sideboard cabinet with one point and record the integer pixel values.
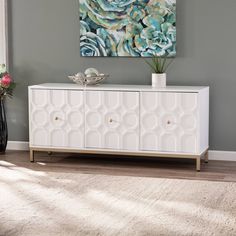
(120, 119)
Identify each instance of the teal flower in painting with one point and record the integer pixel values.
(90, 43)
(107, 14)
(137, 28)
(159, 41)
(109, 40)
(155, 36)
(99, 44)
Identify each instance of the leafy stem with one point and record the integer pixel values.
(159, 65)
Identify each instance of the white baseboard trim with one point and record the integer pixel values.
(222, 155)
(213, 155)
(15, 145)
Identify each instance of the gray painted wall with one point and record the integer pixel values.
(44, 47)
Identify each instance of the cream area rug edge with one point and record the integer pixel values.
(54, 203)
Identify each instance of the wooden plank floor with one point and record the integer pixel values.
(125, 166)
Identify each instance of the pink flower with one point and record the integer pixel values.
(6, 81)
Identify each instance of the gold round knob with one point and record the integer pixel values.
(168, 122)
(111, 120)
(56, 118)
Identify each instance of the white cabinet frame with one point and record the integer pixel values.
(100, 108)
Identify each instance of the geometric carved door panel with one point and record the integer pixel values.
(169, 122)
(112, 120)
(57, 118)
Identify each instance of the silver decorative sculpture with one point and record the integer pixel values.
(91, 76)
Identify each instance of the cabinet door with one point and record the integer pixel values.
(56, 118)
(169, 122)
(112, 120)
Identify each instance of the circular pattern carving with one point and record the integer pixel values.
(111, 100)
(188, 122)
(168, 101)
(93, 119)
(149, 101)
(93, 100)
(58, 137)
(188, 143)
(149, 141)
(188, 102)
(75, 99)
(169, 122)
(57, 98)
(112, 140)
(75, 119)
(150, 121)
(130, 100)
(39, 98)
(130, 141)
(40, 117)
(40, 137)
(93, 139)
(57, 118)
(112, 119)
(130, 120)
(169, 142)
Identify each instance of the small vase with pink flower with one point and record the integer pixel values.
(7, 86)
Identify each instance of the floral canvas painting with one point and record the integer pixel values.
(127, 28)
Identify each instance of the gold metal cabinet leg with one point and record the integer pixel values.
(31, 155)
(198, 163)
(206, 157)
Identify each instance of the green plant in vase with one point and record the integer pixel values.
(159, 66)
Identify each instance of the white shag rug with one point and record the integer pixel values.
(45, 203)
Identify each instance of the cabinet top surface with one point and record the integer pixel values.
(118, 87)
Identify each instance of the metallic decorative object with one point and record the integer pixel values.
(91, 76)
(91, 72)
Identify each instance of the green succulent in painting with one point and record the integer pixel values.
(138, 28)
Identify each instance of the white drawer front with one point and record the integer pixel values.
(169, 122)
(112, 120)
(56, 118)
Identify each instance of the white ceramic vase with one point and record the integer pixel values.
(158, 80)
